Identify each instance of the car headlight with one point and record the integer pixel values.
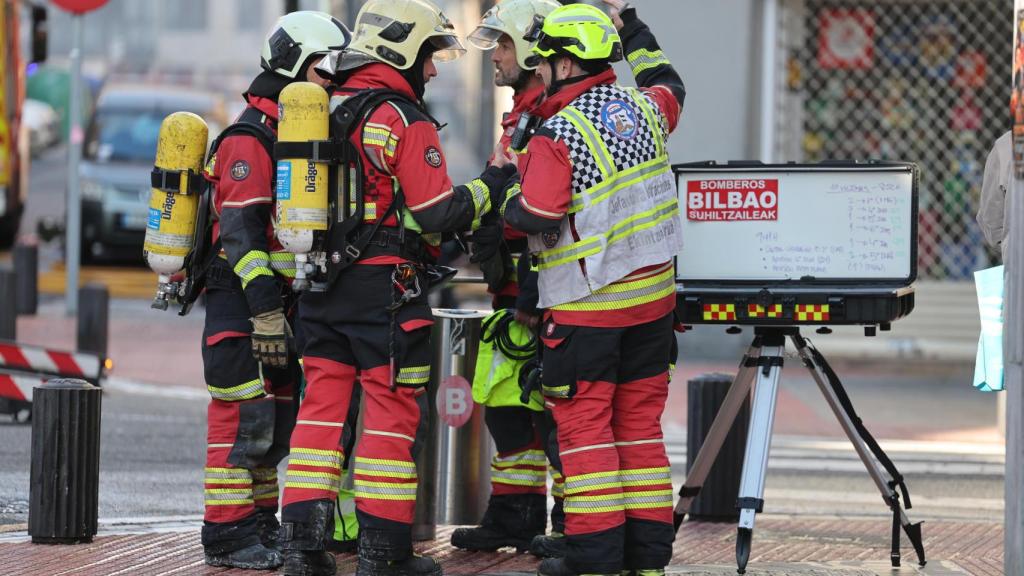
(92, 190)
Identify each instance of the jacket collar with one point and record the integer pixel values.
(378, 76)
(265, 105)
(524, 101)
(554, 103)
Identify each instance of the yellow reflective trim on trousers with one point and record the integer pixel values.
(209, 480)
(401, 486)
(307, 462)
(413, 375)
(316, 452)
(593, 139)
(244, 391)
(312, 474)
(375, 496)
(385, 462)
(594, 504)
(645, 476)
(593, 481)
(624, 179)
(615, 299)
(255, 263)
(239, 473)
(649, 499)
(652, 120)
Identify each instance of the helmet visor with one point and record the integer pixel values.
(447, 47)
(485, 37)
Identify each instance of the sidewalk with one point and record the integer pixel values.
(783, 546)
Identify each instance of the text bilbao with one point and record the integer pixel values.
(728, 200)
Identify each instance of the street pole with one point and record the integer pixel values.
(1013, 333)
(72, 229)
(769, 40)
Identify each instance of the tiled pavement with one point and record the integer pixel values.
(783, 546)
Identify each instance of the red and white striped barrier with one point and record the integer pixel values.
(52, 363)
(18, 386)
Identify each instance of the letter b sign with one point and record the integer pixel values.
(455, 401)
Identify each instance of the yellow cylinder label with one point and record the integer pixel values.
(172, 216)
(302, 184)
(171, 223)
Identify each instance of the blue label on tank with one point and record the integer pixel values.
(284, 180)
(153, 222)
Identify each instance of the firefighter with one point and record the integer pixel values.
(249, 370)
(598, 201)
(517, 509)
(371, 321)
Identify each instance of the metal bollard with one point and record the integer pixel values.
(717, 498)
(65, 469)
(93, 320)
(464, 452)
(8, 305)
(26, 270)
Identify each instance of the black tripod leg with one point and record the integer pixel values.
(831, 388)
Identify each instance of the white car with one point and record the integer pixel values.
(43, 125)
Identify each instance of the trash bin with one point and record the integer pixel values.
(716, 501)
(463, 448)
(65, 468)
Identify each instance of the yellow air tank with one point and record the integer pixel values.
(301, 183)
(174, 199)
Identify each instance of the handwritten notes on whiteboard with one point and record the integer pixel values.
(824, 223)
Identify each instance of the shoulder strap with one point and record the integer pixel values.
(250, 122)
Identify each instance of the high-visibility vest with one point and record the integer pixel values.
(496, 377)
(624, 207)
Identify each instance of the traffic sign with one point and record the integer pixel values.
(80, 6)
(455, 401)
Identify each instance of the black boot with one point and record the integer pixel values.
(236, 544)
(303, 542)
(510, 521)
(557, 567)
(414, 565)
(548, 546)
(254, 557)
(267, 527)
(384, 552)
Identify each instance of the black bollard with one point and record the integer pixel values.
(93, 320)
(717, 498)
(65, 470)
(26, 270)
(8, 305)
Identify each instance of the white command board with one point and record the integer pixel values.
(806, 223)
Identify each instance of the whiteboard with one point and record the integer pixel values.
(785, 223)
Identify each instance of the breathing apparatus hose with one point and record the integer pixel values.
(495, 331)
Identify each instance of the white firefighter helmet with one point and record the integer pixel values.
(297, 36)
(392, 32)
(514, 18)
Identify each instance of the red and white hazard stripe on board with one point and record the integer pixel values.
(24, 358)
(19, 387)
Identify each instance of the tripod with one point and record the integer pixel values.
(763, 361)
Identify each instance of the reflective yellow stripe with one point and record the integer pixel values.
(594, 504)
(642, 59)
(593, 481)
(652, 120)
(385, 490)
(592, 138)
(413, 375)
(481, 200)
(645, 477)
(648, 499)
(283, 263)
(255, 263)
(245, 391)
(536, 457)
(619, 181)
(626, 294)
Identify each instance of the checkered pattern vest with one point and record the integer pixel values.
(624, 208)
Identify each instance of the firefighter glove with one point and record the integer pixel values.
(270, 335)
(486, 242)
(497, 181)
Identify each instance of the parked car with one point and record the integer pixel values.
(117, 157)
(43, 125)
